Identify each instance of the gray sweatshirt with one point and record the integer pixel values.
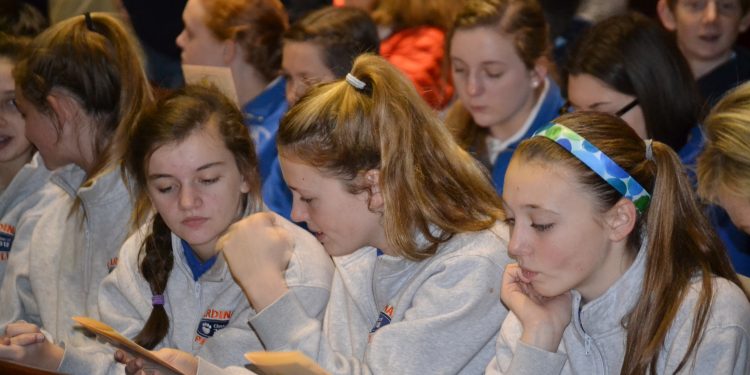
(21, 205)
(594, 341)
(69, 255)
(388, 315)
(208, 317)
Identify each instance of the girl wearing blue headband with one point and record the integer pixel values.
(618, 269)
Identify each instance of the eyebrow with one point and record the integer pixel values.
(201, 168)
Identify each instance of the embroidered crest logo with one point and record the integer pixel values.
(212, 321)
(7, 232)
(384, 319)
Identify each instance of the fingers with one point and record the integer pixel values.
(25, 339)
(21, 327)
(133, 366)
(122, 357)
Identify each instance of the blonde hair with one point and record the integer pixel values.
(724, 164)
(430, 186)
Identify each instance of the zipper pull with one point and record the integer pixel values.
(587, 343)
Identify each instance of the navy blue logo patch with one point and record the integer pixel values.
(7, 233)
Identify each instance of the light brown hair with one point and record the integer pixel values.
(256, 25)
(404, 14)
(681, 243)
(101, 68)
(430, 186)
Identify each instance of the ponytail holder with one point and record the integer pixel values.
(89, 21)
(157, 299)
(354, 81)
(649, 149)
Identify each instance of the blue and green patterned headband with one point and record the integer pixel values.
(598, 162)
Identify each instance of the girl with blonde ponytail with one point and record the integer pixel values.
(410, 219)
(618, 269)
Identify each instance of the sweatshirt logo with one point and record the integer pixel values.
(212, 321)
(7, 233)
(384, 319)
(111, 264)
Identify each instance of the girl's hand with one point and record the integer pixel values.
(25, 343)
(185, 362)
(543, 318)
(257, 251)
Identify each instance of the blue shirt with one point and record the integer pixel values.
(548, 111)
(197, 267)
(262, 116)
(736, 241)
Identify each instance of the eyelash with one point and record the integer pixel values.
(306, 200)
(539, 227)
(210, 181)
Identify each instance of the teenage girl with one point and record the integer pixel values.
(618, 269)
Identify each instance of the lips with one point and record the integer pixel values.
(528, 275)
(194, 222)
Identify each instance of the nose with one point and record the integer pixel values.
(180, 39)
(517, 246)
(710, 12)
(189, 198)
(473, 85)
(299, 211)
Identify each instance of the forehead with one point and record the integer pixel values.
(194, 12)
(483, 43)
(6, 76)
(548, 185)
(302, 55)
(199, 147)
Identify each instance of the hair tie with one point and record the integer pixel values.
(157, 299)
(649, 149)
(354, 81)
(89, 21)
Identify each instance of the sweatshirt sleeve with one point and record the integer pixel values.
(16, 296)
(453, 316)
(122, 305)
(724, 347)
(515, 357)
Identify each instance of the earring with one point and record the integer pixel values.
(535, 82)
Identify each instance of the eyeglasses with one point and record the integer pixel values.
(568, 108)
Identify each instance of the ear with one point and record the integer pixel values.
(620, 220)
(744, 23)
(244, 186)
(231, 51)
(539, 72)
(666, 16)
(64, 109)
(372, 181)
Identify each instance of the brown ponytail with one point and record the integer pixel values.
(156, 266)
(681, 243)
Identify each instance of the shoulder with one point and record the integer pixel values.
(491, 244)
(729, 305)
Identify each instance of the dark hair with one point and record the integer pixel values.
(101, 68)
(18, 18)
(256, 25)
(636, 56)
(173, 119)
(429, 184)
(681, 243)
(744, 4)
(342, 33)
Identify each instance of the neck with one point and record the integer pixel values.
(10, 168)
(617, 261)
(248, 82)
(205, 251)
(702, 67)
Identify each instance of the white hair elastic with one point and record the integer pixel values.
(354, 81)
(649, 149)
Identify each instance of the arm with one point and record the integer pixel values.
(516, 357)
(454, 315)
